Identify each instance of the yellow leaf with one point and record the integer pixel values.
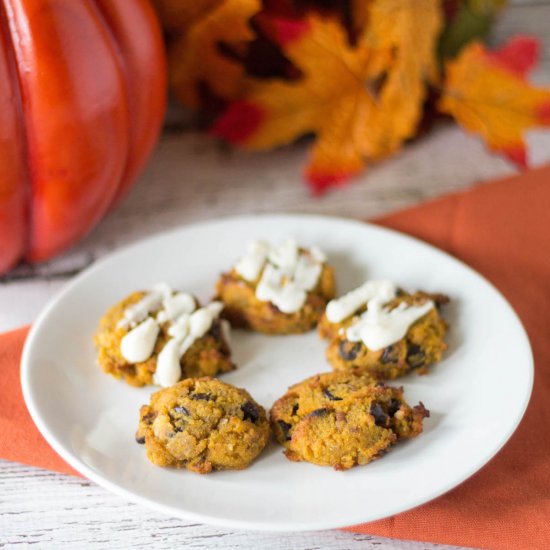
(195, 57)
(408, 30)
(361, 101)
(487, 94)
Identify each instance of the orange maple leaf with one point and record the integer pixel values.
(487, 94)
(195, 57)
(361, 101)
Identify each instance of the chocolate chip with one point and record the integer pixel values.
(349, 350)
(294, 408)
(215, 330)
(390, 355)
(415, 355)
(394, 406)
(380, 417)
(440, 300)
(329, 395)
(413, 349)
(200, 396)
(319, 412)
(250, 411)
(181, 410)
(140, 440)
(149, 417)
(285, 428)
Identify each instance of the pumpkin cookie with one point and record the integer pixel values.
(162, 336)
(277, 290)
(342, 419)
(385, 330)
(203, 424)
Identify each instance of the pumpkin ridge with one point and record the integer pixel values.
(25, 185)
(145, 124)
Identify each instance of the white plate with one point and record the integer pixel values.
(476, 396)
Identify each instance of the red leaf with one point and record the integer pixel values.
(321, 182)
(239, 122)
(518, 56)
(517, 155)
(543, 113)
(289, 30)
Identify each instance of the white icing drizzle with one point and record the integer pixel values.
(168, 364)
(187, 324)
(380, 327)
(270, 282)
(342, 308)
(285, 257)
(250, 265)
(201, 320)
(287, 297)
(185, 331)
(307, 272)
(180, 327)
(176, 305)
(139, 311)
(138, 344)
(318, 254)
(288, 273)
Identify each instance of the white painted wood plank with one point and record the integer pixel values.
(73, 512)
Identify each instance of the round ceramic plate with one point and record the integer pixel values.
(476, 396)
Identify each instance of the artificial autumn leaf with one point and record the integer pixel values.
(196, 58)
(408, 30)
(361, 101)
(176, 16)
(487, 94)
(352, 14)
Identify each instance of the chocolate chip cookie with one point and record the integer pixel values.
(189, 354)
(203, 424)
(342, 419)
(422, 345)
(277, 290)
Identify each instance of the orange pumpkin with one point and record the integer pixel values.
(82, 99)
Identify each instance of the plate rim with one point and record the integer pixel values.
(278, 526)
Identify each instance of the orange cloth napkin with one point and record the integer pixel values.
(20, 439)
(502, 229)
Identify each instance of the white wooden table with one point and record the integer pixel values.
(192, 178)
